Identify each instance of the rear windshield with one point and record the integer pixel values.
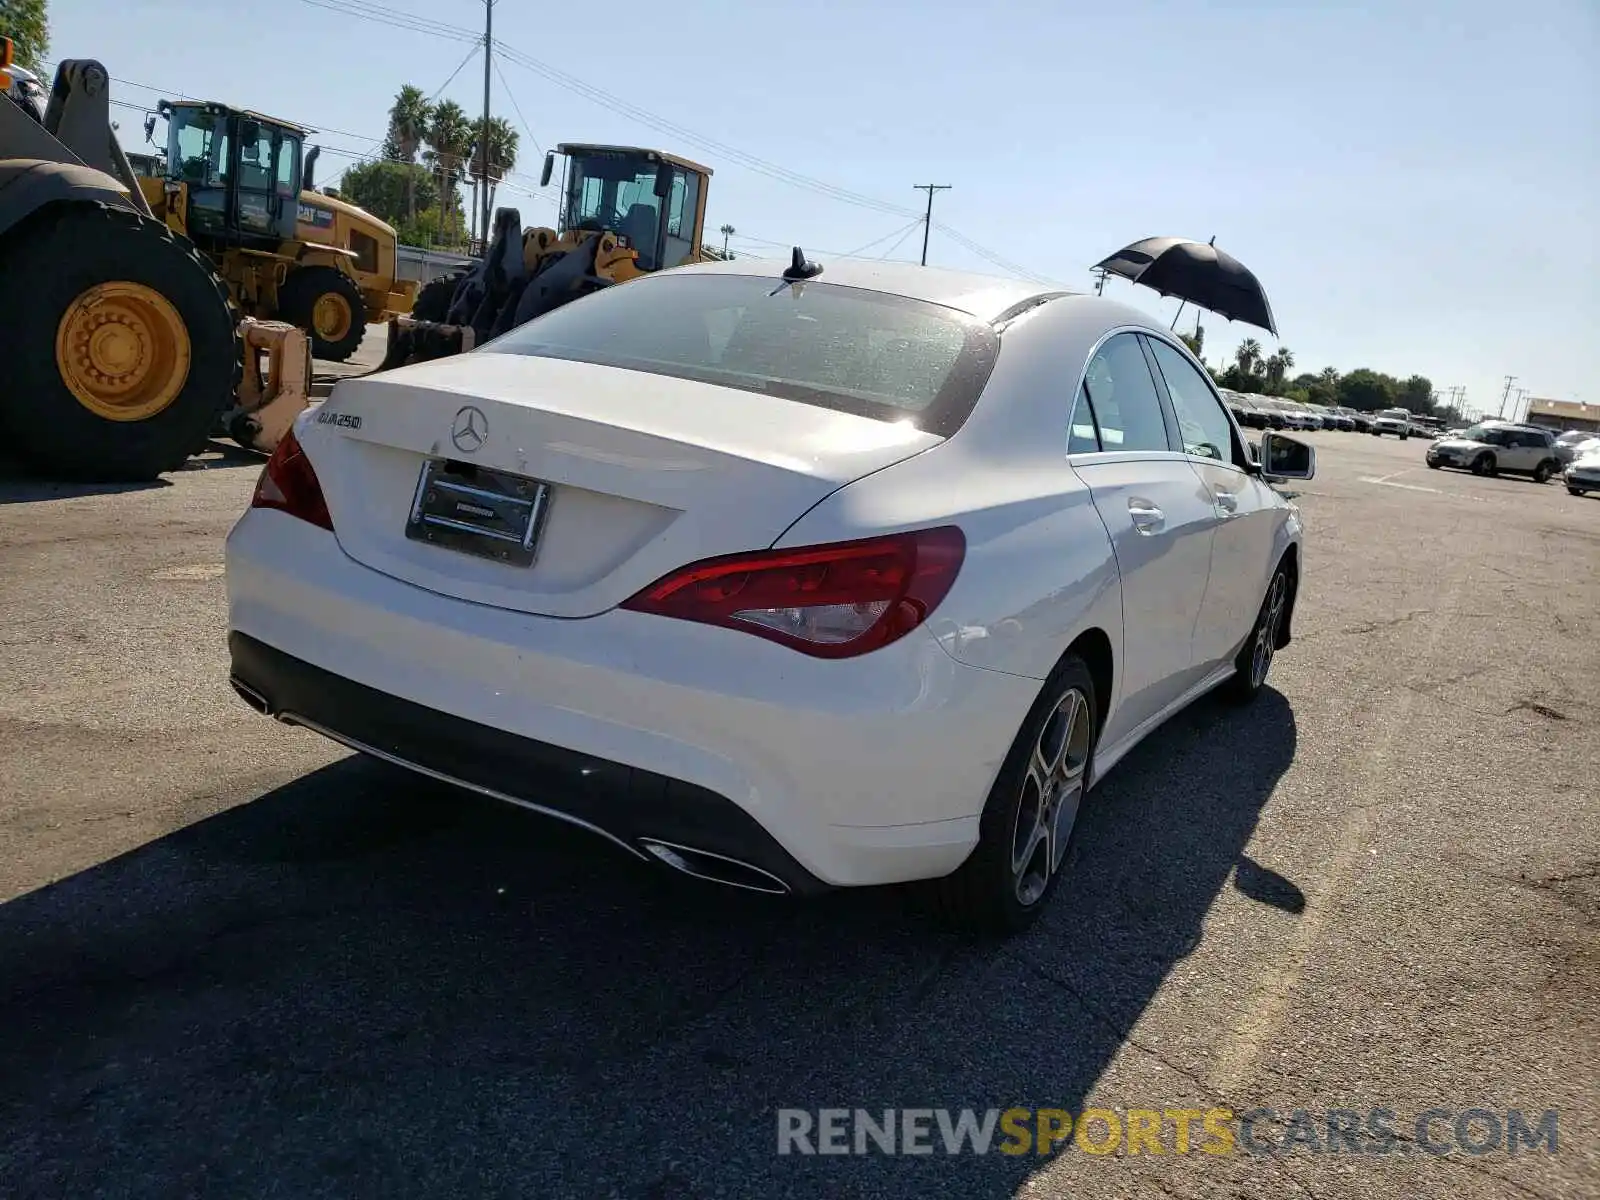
(849, 349)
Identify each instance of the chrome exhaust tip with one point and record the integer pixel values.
(250, 696)
(717, 868)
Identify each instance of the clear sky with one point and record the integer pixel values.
(1414, 181)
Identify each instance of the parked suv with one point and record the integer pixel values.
(1392, 420)
(1491, 447)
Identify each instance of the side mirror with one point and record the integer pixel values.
(664, 175)
(549, 168)
(150, 128)
(1285, 458)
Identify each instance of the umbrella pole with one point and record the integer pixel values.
(1177, 314)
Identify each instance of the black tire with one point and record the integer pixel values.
(1575, 491)
(1484, 464)
(1247, 680)
(1433, 466)
(1404, 437)
(297, 300)
(433, 301)
(983, 894)
(1542, 473)
(46, 264)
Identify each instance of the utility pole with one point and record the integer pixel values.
(927, 221)
(1506, 395)
(1100, 274)
(483, 134)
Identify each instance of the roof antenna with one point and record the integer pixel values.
(800, 269)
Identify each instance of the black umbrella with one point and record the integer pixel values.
(1197, 273)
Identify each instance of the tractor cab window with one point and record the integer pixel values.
(617, 192)
(288, 174)
(683, 207)
(255, 156)
(198, 147)
(198, 154)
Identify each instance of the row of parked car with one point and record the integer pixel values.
(1278, 412)
(1486, 448)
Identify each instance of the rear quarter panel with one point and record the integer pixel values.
(1039, 568)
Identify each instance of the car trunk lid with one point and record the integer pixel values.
(643, 473)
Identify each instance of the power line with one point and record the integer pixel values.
(880, 240)
(396, 19)
(909, 230)
(517, 108)
(438, 91)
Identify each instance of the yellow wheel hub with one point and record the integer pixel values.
(331, 317)
(123, 351)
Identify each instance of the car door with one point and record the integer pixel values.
(1532, 449)
(1247, 510)
(1160, 518)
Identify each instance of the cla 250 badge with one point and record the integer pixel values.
(342, 420)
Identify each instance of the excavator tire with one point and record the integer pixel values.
(433, 301)
(327, 304)
(120, 344)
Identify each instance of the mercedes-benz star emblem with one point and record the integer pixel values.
(470, 430)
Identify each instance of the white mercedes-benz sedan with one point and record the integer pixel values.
(789, 583)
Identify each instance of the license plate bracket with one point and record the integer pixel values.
(478, 511)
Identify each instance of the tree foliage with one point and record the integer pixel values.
(27, 24)
(423, 201)
(390, 191)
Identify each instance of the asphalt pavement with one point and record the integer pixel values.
(235, 961)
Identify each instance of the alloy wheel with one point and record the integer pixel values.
(1052, 790)
(1267, 631)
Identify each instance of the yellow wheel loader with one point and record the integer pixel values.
(625, 212)
(238, 185)
(120, 348)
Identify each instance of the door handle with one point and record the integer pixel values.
(1147, 518)
(1227, 502)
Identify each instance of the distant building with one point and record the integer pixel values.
(1564, 414)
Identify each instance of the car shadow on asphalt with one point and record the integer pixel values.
(19, 484)
(364, 982)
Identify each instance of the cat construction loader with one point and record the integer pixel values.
(238, 184)
(121, 349)
(625, 212)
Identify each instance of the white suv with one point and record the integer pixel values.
(1392, 420)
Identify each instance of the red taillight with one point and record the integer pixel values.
(834, 601)
(289, 485)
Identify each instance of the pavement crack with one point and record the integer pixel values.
(1542, 710)
(1388, 622)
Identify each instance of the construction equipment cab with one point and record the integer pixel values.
(653, 201)
(238, 185)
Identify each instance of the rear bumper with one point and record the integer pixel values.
(627, 805)
(860, 771)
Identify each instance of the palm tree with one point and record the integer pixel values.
(727, 231)
(1278, 366)
(1330, 376)
(449, 143)
(502, 158)
(409, 118)
(1248, 355)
